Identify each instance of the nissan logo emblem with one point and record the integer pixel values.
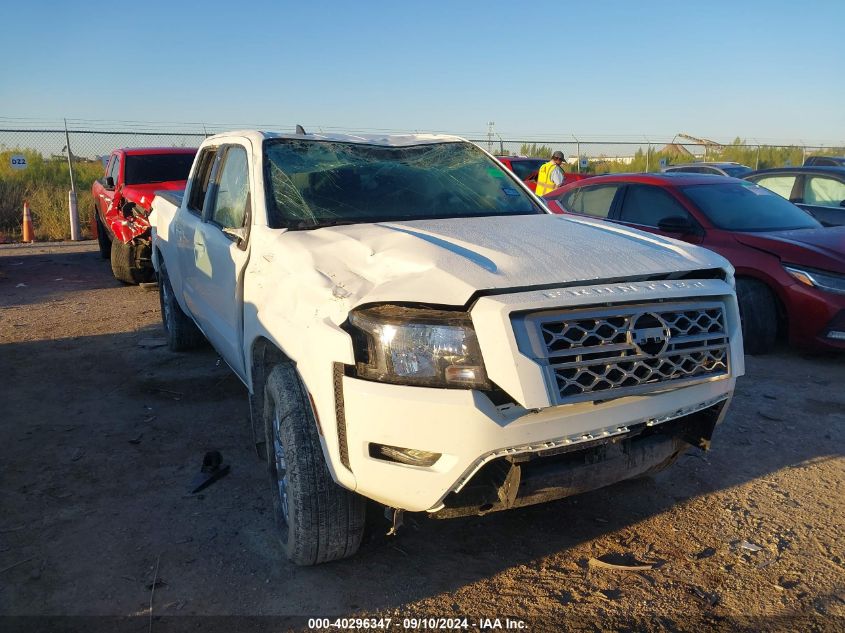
(648, 333)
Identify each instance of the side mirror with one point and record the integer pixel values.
(842, 204)
(238, 235)
(109, 183)
(676, 224)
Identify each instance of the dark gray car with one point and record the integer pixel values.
(825, 161)
(818, 190)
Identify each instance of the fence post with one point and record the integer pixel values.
(648, 158)
(577, 154)
(757, 161)
(74, 212)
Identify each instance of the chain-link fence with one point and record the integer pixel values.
(599, 157)
(46, 180)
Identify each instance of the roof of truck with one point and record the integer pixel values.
(393, 140)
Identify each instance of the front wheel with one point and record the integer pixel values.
(758, 312)
(318, 521)
(125, 264)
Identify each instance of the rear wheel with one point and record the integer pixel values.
(758, 311)
(182, 333)
(103, 240)
(318, 520)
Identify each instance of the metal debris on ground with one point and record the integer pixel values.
(620, 563)
(711, 598)
(212, 469)
(751, 547)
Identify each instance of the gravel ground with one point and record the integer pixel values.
(103, 430)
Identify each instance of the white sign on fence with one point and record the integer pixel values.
(18, 161)
(583, 162)
(663, 163)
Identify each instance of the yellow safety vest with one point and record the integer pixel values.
(545, 184)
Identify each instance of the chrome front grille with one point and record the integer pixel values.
(600, 353)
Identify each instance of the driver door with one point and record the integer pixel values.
(223, 238)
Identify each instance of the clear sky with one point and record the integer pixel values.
(769, 70)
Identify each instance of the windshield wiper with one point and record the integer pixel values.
(310, 224)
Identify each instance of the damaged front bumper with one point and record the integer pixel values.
(128, 220)
(492, 457)
(574, 467)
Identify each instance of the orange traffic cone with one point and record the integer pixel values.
(28, 233)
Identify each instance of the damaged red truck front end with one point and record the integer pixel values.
(122, 200)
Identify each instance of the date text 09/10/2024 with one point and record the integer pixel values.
(418, 624)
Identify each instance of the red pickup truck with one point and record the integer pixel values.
(122, 200)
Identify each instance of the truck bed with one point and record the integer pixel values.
(173, 197)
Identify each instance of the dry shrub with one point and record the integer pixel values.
(45, 183)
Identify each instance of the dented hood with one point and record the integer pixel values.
(447, 261)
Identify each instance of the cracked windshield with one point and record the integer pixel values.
(325, 183)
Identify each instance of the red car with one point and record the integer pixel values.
(526, 169)
(790, 272)
(122, 200)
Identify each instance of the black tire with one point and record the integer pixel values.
(125, 266)
(122, 260)
(103, 240)
(182, 333)
(758, 311)
(318, 521)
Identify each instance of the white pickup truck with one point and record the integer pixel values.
(415, 328)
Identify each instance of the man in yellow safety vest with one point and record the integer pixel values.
(550, 176)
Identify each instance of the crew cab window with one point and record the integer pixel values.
(647, 205)
(594, 201)
(232, 199)
(823, 191)
(199, 183)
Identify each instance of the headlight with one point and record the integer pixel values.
(818, 279)
(415, 346)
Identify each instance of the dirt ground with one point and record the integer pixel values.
(102, 432)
